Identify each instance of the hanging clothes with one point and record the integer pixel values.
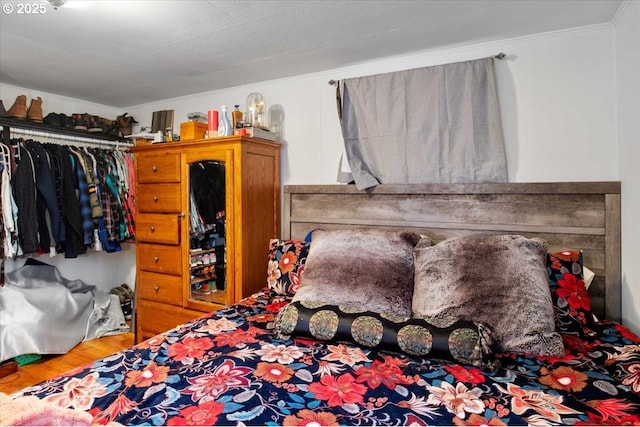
(59, 198)
(25, 194)
(9, 215)
(207, 183)
(47, 201)
(74, 244)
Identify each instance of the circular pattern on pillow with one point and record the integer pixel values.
(323, 324)
(460, 341)
(367, 331)
(287, 319)
(352, 308)
(415, 340)
(312, 304)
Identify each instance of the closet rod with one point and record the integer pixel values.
(68, 139)
(498, 56)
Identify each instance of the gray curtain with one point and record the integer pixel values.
(437, 124)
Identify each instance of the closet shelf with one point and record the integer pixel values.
(10, 123)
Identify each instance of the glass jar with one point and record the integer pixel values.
(236, 116)
(255, 109)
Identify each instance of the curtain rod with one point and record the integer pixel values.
(69, 139)
(498, 56)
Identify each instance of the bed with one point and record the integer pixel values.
(253, 363)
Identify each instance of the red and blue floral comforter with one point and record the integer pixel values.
(228, 368)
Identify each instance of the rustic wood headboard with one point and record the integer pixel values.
(582, 215)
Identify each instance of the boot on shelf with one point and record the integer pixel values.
(35, 110)
(3, 112)
(19, 108)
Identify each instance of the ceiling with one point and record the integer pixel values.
(125, 53)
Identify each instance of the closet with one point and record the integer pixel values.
(63, 191)
(206, 210)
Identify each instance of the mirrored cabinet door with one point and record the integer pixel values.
(207, 232)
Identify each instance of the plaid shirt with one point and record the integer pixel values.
(105, 197)
(85, 205)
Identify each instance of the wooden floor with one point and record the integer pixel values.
(50, 366)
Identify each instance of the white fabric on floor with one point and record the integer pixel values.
(42, 312)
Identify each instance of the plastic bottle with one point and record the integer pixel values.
(224, 127)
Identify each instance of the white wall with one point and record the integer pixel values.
(101, 269)
(558, 101)
(627, 48)
(556, 90)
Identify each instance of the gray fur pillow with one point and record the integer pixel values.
(365, 269)
(499, 280)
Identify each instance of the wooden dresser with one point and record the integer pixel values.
(182, 273)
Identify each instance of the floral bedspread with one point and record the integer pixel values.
(227, 368)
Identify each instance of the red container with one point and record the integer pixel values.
(212, 121)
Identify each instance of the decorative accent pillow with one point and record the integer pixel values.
(370, 269)
(458, 341)
(571, 301)
(498, 280)
(285, 265)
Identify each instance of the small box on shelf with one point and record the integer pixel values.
(192, 130)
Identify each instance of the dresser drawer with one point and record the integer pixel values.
(158, 228)
(159, 198)
(153, 318)
(159, 258)
(158, 167)
(160, 287)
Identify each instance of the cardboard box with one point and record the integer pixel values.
(192, 130)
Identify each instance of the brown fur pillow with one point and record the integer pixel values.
(366, 269)
(498, 280)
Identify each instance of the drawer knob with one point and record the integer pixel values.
(154, 168)
(152, 228)
(155, 199)
(156, 288)
(156, 259)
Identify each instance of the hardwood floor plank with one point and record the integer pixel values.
(52, 365)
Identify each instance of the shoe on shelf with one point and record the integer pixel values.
(67, 121)
(3, 112)
(108, 125)
(79, 122)
(93, 124)
(53, 119)
(19, 108)
(34, 113)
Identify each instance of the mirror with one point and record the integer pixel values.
(207, 230)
